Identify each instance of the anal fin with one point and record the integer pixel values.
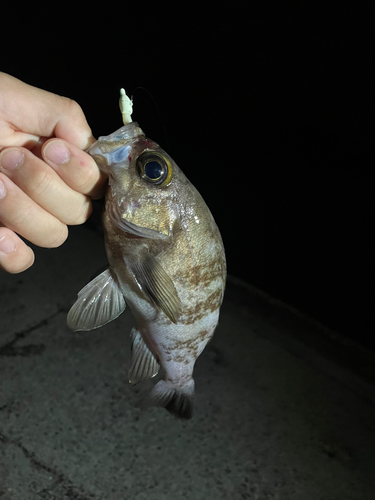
(143, 363)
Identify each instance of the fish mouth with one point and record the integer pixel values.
(118, 138)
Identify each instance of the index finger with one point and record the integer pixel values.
(31, 113)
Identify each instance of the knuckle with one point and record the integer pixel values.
(58, 237)
(88, 180)
(73, 107)
(81, 214)
(23, 217)
(44, 184)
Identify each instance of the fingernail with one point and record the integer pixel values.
(57, 153)
(11, 159)
(2, 189)
(6, 245)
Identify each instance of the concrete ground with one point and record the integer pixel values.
(284, 409)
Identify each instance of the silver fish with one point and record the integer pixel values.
(166, 260)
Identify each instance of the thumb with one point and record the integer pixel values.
(28, 113)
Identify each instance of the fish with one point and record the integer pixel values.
(166, 263)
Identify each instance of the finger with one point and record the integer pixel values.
(33, 113)
(21, 214)
(44, 186)
(15, 255)
(75, 167)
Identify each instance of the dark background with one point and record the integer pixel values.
(268, 107)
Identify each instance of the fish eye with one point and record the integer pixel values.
(154, 168)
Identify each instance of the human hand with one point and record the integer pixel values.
(46, 179)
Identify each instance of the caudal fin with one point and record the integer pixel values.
(177, 400)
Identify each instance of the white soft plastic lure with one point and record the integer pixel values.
(166, 260)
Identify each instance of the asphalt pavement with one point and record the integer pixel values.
(285, 409)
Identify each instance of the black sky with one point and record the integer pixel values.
(268, 111)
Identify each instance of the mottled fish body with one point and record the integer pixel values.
(166, 260)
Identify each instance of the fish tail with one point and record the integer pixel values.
(178, 400)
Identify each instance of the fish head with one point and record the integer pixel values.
(143, 182)
(112, 153)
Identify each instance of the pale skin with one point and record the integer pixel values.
(46, 179)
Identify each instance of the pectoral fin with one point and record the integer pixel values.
(157, 286)
(144, 364)
(98, 303)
